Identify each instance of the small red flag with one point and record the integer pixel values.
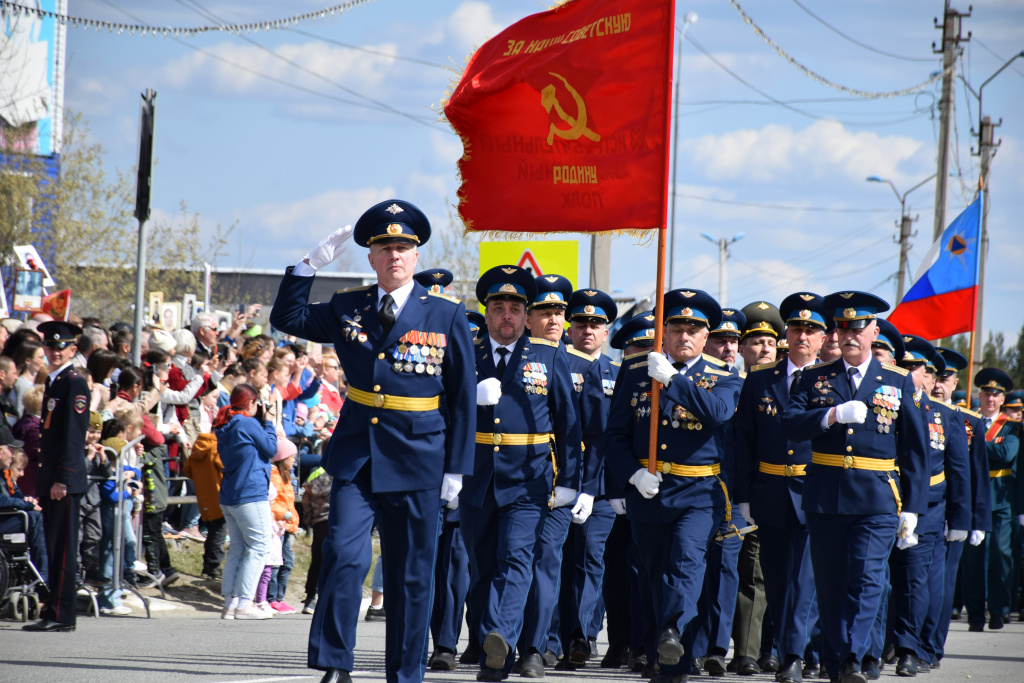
(563, 118)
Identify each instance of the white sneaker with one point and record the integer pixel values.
(141, 566)
(265, 606)
(227, 613)
(118, 611)
(251, 612)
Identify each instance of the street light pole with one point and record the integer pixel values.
(723, 245)
(905, 229)
(690, 18)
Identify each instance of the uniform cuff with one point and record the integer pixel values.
(303, 269)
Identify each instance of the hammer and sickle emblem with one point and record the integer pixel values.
(577, 125)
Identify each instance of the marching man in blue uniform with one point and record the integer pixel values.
(396, 455)
(675, 512)
(855, 502)
(527, 461)
(770, 483)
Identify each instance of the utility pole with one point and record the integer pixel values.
(905, 234)
(723, 245)
(985, 146)
(951, 40)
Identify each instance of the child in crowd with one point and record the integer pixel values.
(316, 507)
(286, 517)
(273, 558)
(115, 436)
(92, 519)
(27, 429)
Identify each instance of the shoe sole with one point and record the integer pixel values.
(670, 652)
(496, 649)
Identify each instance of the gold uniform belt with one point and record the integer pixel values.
(782, 470)
(853, 462)
(512, 439)
(937, 479)
(686, 470)
(993, 474)
(388, 402)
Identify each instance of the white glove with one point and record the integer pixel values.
(451, 485)
(563, 496)
(745, 511)
(329, 248)
(646, 483)
(905, 530)
(488, 391)
(582, 509)
(956, 536)
(660, 368)
(976, 537)
(852, 412)
(618, 504)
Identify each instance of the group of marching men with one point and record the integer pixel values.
(829, 490)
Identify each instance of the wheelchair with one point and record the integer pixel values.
(20, 582)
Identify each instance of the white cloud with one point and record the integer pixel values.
(472, 23)
(310, 219)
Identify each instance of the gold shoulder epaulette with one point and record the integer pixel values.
(819, 364)
(896, 368)
(616, 363)
(743, 375)
(970, 412)
(579, 353)
(765, 366)
(353, 289)
(641, 364)
(441, 295)
(635, 355)
(716, 371)
(545, 342)
(713, 360)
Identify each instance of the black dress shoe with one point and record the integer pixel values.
(490, 675)
(666, 678)
(335, 676)
(731, 666)
(442, 660)
(496, 649)
(923, 667)
(533, 666)
(906, 665)
(792, 672)
(616, 656)
(649, 671)
(637, 660)
(579, 651)
(889, 655)
(850, 672)
(695, 665)
(746, 666)
(769, 663)
(995, 622)
(45, 625)
(669, 648)
(955, 614)
(936, 663)
(869, 666)
(550, 658)
(566, 664)
(375, 614)
(976, 628)
(811, 670)
(471, 655)
(715, 665)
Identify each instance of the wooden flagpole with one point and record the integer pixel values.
(659, 309)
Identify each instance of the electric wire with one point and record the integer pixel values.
(780, 207)
(857, 42)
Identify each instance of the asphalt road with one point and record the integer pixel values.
(196, 646)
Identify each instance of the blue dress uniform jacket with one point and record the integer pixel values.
(839, 491)
(593, 390)
(951, 464)
(390, 437)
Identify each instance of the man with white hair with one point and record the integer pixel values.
(204, 327)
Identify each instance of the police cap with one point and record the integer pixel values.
(58, 334)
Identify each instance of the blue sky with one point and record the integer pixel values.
(290, 164)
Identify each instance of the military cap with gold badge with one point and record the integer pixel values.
(592, 304)
(854, 310)
(889, 338)
(804, 308)
(637, 330)
(762, 318)
(506, 282)
(1014, 399)
(553, 291)
(476, 322)
(392, 220)
(692, 306)
(955, 362)
(732, 323)
(435, 279)
(988, 379)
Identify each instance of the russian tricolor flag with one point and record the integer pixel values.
(943, 299)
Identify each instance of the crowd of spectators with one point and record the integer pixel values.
(178, 403)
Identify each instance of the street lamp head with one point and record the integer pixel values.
(708, 237)
(739, 236)
(874, 179)
(690, 18)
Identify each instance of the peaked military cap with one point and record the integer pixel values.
(58, 334)
(476, 321)
(955, 361)
(916, 351)
(854, 309)
(959, 397)
(435, 279)
(732, 323)
(1014, 399)
(692, 306)
(988, 379)
(890, 338)
(804, 308)
(592, 304)
(393, 220)
(762, 318)
(553, 291)
(506, 282)
(637, 330)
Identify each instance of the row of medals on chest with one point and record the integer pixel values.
(535, 378)
(681, 417)
(418, 358)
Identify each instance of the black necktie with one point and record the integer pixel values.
(795, 382)
(502, 351)
(385, 315)
(853, 372)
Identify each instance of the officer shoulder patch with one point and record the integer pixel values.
(353, 289)
(713, 360)
(631, 356)
(579, 353)
(446, 297)
(716, 371)
(743, 375)
(641, 364)
(896, 368)
(970, 412)
(616, 363)
(819, 365)
(545, 342)
(765, 366)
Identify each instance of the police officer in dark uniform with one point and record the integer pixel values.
(855, 502)
(675, 512)
(62, 471)
(395, 455)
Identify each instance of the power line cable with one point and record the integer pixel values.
(368, 50)
(857, 42)
(989, 50)
(780, 207)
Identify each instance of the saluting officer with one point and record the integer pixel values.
(62, 472)
(770, 484)
(854, 501)
(675, 512)
(395, 454)
(527, 461)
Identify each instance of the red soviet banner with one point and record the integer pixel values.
(563, 118)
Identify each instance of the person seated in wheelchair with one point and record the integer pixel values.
(11, 498)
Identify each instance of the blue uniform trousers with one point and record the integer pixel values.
(848, 555)
(542, 601)
(619, 584)
(990, 563)
(788, 584)
(672, 556)
(589, 552)
(501, 541)
(954, 551)
(408, 522)
(812, 653)
(451, 584)
(712, 629)
(881, 627)
(912, 584)
(934, 618)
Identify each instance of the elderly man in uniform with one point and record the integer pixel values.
(770, 485)
(62, 472)
(527, 462)
(855, 502)
(674, 512)
(396, 454)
